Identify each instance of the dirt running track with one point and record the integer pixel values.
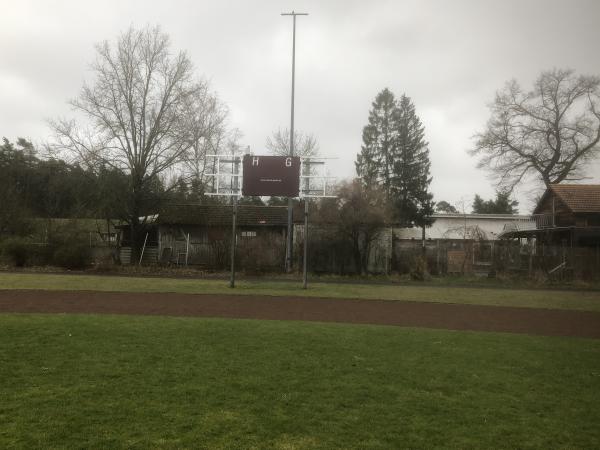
(546, 322)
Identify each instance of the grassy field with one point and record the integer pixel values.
(533, 298)
(73, 381)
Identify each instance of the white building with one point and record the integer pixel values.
(467, 226)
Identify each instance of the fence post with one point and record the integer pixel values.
(529, 250)
(187, 248)
(390, 252)
(233, 241)
(597, 265)
(305, 256)
(437, 257)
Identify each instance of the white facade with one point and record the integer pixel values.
(467, 226)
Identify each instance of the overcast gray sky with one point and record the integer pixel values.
(448, 56)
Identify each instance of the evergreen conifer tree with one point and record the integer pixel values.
(413, 203)
(374, 162)
(502, 205)
(395, 156)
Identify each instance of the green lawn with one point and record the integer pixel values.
(74, 381)
(533, 298)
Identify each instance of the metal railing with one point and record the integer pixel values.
(544, 221)
(520, 225)
(534, 222)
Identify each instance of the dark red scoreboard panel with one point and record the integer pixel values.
(271, 175)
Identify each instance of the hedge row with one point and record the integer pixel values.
(21, 252)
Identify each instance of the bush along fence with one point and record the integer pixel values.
(75, 247)
(333, 254)
(67, 243)
(255, 252)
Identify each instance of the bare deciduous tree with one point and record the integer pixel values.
(549, 133)
(305, 145)
(360, 216)
(136, 106)
(205, 117)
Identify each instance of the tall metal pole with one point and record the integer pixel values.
(288, 253)
(233, 239)
(306, 197)
(305, 258)
(234, 221)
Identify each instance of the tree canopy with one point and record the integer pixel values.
(548, 134)
(305, 144)
(395, 157)
(445, 207)
(358, 214)
(501, 205)
(205, 118)
(145, 110)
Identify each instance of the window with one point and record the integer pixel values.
(108, 237)
(248, 234)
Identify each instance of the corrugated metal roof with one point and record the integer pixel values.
(221, 215)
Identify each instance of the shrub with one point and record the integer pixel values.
(40, 254)
(261, 254)
(73, 256)
(106, 262)
(220, 251)
(419, 271)
(16, 251)
(327, 253)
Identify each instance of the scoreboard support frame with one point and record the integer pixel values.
(305, 193)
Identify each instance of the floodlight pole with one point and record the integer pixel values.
(288, 253)
(305, 259)
(234, 223)
(306, 194)
(233, 239)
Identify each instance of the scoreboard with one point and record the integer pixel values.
(271, 176)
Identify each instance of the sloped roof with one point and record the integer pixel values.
(582, 198)
(221, 215)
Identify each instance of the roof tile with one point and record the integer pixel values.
(579, 197)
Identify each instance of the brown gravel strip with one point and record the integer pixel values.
(548, 322)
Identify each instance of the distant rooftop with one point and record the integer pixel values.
(482, 216)
(582, 198)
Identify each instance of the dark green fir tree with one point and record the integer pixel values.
(503, 204)
(374, 164)
(395, 157)
(413, 203)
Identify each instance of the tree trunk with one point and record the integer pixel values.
(357, 256)
(394, 259)
(133, 233)
(134, 226)
(365, 258)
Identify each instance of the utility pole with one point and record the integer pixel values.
(306, 197)
(236, 164)
(288, 253)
